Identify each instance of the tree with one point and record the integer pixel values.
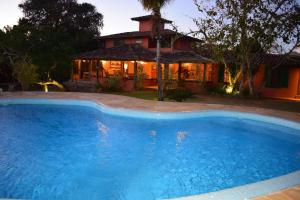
(247, 29)
(155, 7)
(25, 73)
(56, 30)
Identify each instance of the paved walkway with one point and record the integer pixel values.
(287, 194)
(118, 101)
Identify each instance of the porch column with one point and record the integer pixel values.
(90, 67)
(204, 73)
(79, 69)
(166, 75)
(135, 77)
(98, 67)
(179, 71)
(74, 65)
(166, 71)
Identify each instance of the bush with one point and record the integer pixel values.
(114, 83)
(220, 91)
(246, 92)
(179, 94)
(25, 73)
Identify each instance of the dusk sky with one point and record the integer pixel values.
(117, 14)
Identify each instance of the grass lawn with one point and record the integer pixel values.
(144, 94)
(277, 104)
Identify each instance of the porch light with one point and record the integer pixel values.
(142, 62)
(125, 66)
(229, 89)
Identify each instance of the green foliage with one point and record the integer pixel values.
(245, 92)
(52, 32)
(113, 83)
(153, 5)
(179, 94)
(98, 86)
(141, 77)
(25, 73)
(240, 32)
(218, 90)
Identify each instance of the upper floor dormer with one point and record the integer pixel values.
(146, 23)
(170, 40)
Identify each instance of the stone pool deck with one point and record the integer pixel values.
(287, 194)
(118, 101)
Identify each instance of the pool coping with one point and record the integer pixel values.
(236, 193)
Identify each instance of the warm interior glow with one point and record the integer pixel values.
(125, 66)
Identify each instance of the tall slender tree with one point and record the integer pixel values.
(155, 7)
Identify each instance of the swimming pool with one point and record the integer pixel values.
(70, 150)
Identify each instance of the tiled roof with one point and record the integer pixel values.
(134, 34)
(123, 52)
(136, 52)
(146, 17)
(185, 56)
(139, 34)
(293, 60)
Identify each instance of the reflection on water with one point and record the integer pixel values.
(153, 133)
(180, 136)
(102, 128)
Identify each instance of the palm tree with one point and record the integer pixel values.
(155, 7)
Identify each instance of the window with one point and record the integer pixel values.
(102, 44)
(151, 43)
(118, 42)
(138, 41)
(164, 43)
(277, 78)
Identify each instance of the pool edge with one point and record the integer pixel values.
(251, 190)
(236, 193)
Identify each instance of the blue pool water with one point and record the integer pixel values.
(77, 152)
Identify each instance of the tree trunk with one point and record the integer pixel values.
(250, 82)
(243, 72)
(135, 78)
(166, 76)
(160, 90)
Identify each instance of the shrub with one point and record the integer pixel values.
(141, 77)
(26, 73)
(246, 92)
(179, 94)
(114, 83)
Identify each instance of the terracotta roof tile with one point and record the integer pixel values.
(136, 52)
(147, 17)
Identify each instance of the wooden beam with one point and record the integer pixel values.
(135, 79)
(179, 71)
(204, 73)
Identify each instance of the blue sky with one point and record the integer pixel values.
(117, 14)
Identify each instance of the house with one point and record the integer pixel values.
(132, 55)
(278, 76)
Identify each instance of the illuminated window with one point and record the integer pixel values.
(138, 41)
